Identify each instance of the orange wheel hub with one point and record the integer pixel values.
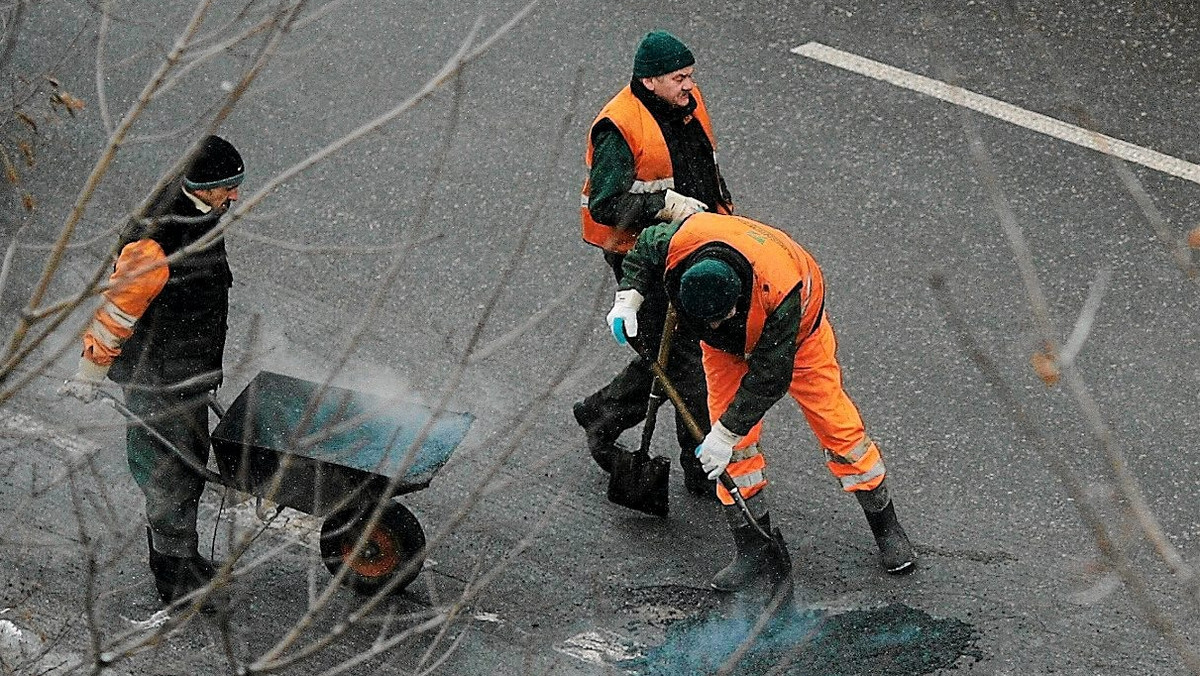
(379, 555)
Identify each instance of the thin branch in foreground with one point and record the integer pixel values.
(1092, 520)
(1087, 317)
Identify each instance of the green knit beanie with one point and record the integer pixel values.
(709, 290)
(659, 53)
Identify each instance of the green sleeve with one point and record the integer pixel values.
(646, 261)
(770, 367)
(610, 179)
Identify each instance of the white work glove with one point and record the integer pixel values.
(86, 382)
(622, 318)
(716, 449)
(679, 207)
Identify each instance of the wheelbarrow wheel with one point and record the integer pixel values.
(394, 548)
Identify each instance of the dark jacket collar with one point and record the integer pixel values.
(660, 109)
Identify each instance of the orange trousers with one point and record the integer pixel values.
(816, 386)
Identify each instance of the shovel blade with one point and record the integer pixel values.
(640, 482)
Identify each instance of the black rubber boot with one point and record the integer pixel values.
(896, 553)
(755, 558)
(177, 576)
(601, 442)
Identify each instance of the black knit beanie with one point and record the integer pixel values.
(660, 53)
(216, 164)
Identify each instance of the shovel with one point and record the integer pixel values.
(639, 481)
(781, 572)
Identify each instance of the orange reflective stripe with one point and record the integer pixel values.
(745, 453)
(749, 475)
(855, 454)
(139, 276)
(862, 481)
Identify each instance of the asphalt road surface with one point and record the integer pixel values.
(848, 124)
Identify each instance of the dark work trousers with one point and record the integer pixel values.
(172, 488)
(622, 402)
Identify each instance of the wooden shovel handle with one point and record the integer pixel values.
(660, 374)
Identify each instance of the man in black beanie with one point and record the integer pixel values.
(160, 334)
(651, 158)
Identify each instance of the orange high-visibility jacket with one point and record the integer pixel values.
(139, 276)
(778, 263)
(651, 159)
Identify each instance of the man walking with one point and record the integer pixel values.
(651, 156)
(757, 301)
(161, 334)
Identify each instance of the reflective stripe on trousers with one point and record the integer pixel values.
(748, 468)
(816, 387)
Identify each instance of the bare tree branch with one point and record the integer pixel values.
(1108, 546)
(97, 174)
(101, 91)
(1087, 317)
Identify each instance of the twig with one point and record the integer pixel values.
(14, 30)
(101, 91)
(1087, 317)
(97, 174)
(1107, 545)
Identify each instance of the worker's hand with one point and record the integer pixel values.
(679, 207)
(85, 384)
(622, 318)
(716, 449)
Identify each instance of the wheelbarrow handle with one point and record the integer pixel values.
(134, 418)
(726, 480)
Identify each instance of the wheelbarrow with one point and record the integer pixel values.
(337, 456)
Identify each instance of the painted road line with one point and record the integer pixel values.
(1000, 110)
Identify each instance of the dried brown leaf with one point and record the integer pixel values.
(1193, 238)
(10, 171)
(69, 101)
(28, 121)
(27, 151)
(1045, 366)
(28, 202)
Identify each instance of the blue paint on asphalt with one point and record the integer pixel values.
(894, 639)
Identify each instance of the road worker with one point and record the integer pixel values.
(651, 158)
(160, 334)
(757, 301)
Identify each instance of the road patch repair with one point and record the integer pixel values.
(891, 639)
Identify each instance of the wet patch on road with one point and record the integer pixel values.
(890, 640)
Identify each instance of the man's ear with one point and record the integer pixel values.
(649, 82)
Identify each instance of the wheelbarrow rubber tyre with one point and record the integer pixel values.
(395, 548)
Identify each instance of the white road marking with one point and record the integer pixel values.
(599, 646)
(1000, 110)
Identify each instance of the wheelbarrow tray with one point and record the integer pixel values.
(319, 451)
